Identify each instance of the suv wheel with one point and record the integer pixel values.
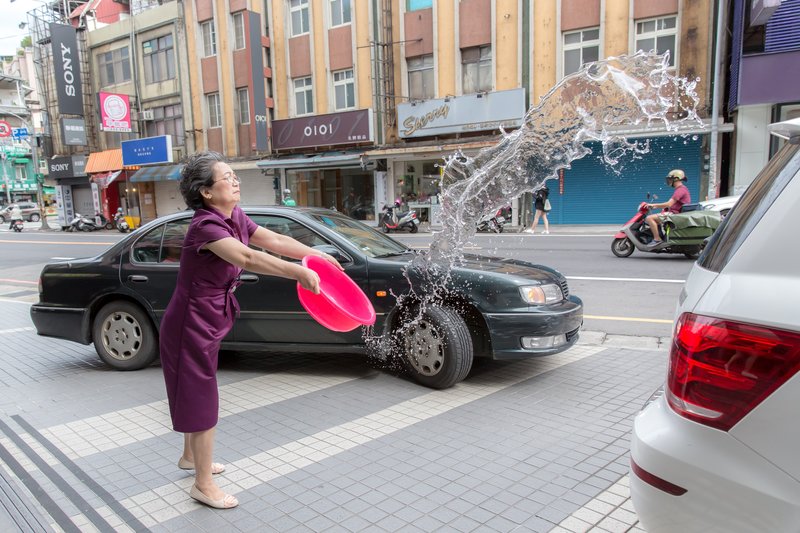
(437, 348)
(2, 219)
(123, 336)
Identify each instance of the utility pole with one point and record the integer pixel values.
(5, 178)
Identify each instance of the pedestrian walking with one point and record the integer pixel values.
(541, 205)
(203, 307)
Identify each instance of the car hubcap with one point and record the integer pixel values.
(425, 348)
(121, 336)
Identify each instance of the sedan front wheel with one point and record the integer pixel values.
(438, 348)
(123, 336)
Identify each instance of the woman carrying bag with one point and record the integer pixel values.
(542, 206)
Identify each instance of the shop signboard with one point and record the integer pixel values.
(460, 114)
(68, 166)
(115, 112)
(67, 69)
(147, 151)
(348, 127)
(74, 131)
(259, 93)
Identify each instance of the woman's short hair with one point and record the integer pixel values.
(198, 172)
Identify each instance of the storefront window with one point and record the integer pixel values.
(350, 191)
(417, 187)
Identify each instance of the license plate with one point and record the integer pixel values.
(415, 221)
(501, 220)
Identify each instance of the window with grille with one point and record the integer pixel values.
(340, 12)
(303, 96)
(167, 120)
(209, 38)
(344, 89)
(580, 47)
(476, 69)
(159, 59)
(420, 77)
(238, 31)
(114, 67)
(298, 10)
(658, 34)
(243, 105)
(214, 111)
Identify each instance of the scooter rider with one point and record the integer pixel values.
(680, 197)
(16, 214)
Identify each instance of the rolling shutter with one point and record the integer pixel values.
(591, 193)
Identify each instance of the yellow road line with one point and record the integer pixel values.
(628, 319)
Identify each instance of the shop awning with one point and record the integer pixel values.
(337, 159)
(106, 178)
(106, 161)
(157, 173)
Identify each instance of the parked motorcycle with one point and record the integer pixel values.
(681, 233)
(391, 220)
(81, 223)
(493, 222)
(120, 223)
(17, 225)
(103, 222)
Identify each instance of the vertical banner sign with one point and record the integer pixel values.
(258, 93)
(115, 112)
(67, 69)
(64, 207)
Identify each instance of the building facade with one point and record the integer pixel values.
(764, 82)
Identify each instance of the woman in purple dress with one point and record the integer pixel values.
(203, 307)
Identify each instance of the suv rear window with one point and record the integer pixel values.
(751, 207)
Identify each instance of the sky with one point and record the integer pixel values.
(12, 15)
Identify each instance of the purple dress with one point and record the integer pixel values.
(199, 315)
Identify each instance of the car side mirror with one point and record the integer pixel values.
(333, 252)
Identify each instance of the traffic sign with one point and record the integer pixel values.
(5, 129)
(19, 133)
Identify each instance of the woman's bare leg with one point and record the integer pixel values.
(535, 219)
(201, 444)
(546, 222)
(187, 449)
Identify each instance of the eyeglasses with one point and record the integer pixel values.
(230, 177)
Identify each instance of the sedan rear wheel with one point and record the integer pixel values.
(438, 348)
(34, 217)
(123, 336)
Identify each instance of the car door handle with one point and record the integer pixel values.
(137, 279)
(248, 278)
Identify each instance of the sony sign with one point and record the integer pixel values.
(67, 69)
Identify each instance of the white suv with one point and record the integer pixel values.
(719, 449)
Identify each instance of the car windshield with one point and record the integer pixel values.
(368, 240)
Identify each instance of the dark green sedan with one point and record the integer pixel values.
(493, 307)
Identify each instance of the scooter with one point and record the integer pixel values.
(391, 221)
(120, 223)
(81, 223)
(103, 222)
(493, 222)
(682, 233)
(17, 225)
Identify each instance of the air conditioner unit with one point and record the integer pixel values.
(147, 114)
(762, 10)
(42, 166)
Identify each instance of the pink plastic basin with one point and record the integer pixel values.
(341, 305)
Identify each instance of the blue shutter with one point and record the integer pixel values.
(783, 28)
(594, 194)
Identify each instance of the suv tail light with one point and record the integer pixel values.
(721, 370)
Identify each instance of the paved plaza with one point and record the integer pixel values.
(321, 443)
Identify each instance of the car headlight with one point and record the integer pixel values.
(541, 294)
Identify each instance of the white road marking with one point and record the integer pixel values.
(15, 330)
(644, 280)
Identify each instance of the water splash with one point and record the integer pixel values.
(596, 104)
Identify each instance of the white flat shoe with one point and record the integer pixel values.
(226, 502)
(216, 468)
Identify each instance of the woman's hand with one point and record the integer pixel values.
(332, 260)
(308, 279)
